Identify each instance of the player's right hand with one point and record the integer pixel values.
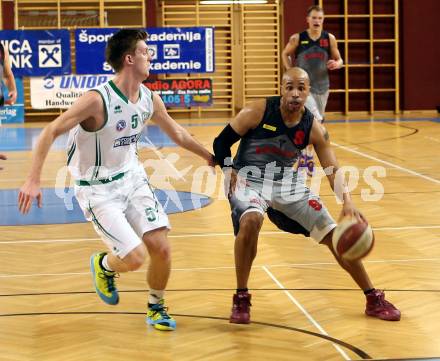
(332, 65)
(232, 182)
(28, 192)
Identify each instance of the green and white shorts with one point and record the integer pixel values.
(122, 210)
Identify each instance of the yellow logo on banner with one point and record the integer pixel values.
(304, 42)
(201, 98)
(269, 127)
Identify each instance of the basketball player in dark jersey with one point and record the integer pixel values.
(272, 134)
(316, 51)
(7, 77)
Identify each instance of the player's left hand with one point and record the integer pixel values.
(332, 65)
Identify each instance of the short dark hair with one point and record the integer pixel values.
(314, 8)
(121, 43)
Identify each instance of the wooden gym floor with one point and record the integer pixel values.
(304, 306)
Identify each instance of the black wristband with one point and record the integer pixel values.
(222, 146)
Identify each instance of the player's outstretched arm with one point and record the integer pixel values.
(83, 109)
(176, 132)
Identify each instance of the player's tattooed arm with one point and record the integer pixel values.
(326, 135)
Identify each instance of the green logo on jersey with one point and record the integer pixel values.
(145, 116)
(151, 214)
(118, 109)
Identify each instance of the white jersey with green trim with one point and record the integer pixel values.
(111, 150)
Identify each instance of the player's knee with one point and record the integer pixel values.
(160, 250)
(251, 222)
(158, 245)
(164, 252)
(155, 236)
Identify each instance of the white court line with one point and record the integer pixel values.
(192, 269)
(314, 344)
(433, 139)
(87, 273)
(44, 274)
(201, 235)
(365, 261)
(72, 240)
(403, 169)
(304, 311)
(138, 271)
(404, 228)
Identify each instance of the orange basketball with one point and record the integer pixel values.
(353, 240)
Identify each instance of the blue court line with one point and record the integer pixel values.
(61, 207)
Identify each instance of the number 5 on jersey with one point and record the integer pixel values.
(134, 121)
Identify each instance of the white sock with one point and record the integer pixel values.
(155, 296)
(105, 264)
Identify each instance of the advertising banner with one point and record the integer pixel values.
(183, 92)
(62, 91)
(38, 52)
(173, 50)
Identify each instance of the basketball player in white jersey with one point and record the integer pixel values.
(111, 185)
